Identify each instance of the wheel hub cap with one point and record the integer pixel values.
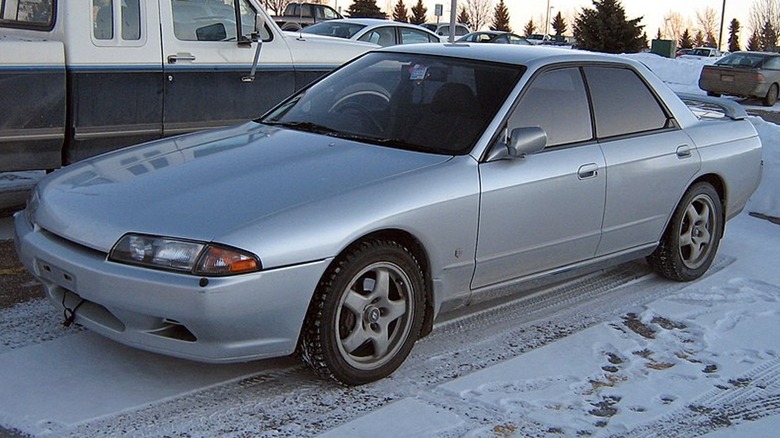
(372, 314)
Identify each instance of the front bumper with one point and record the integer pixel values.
(231, 319)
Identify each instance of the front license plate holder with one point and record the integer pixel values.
(56, 275)
(727, 78)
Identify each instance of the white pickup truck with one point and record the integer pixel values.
(81, 77)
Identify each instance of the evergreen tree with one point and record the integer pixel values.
(400, 13)
(686, 42)
(559, 24)
(710, 41)
(529, 28)
(463, 16)
(658, 35)
(419, 13)
(364, 9)
(698, 40)
(754, 43)
(605, 28)
(768, 37)
(734, 29)
(501, 18)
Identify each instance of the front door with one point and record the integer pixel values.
(205, 67)
(543, 210)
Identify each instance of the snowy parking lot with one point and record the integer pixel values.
(620, 352)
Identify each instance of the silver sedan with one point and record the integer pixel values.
(412, 181)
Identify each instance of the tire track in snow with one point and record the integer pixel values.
(260, 405)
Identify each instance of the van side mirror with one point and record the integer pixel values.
(521, 142)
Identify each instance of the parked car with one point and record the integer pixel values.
(682, 52)
(493, 36)
(297, 15)
(412, 181)
(700, 53)
(371, 30)
(443, 29)
(538, 39)
(744, 74)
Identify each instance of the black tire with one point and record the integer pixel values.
(358, 329)
(771, 96)
(691, 239)
(713, 94)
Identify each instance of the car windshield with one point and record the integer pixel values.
(409, 101)
(334, 29)
(749, 60)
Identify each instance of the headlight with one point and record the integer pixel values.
(182, 255)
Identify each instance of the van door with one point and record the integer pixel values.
(204, 65)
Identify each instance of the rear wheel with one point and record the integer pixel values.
(771, 96)
(691, 239)
(713, 94)
(366, 315)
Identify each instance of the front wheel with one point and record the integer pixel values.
(691, 239)
(366, 315)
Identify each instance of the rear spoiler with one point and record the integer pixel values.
(705, 106)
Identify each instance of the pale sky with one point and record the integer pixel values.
(653, 11)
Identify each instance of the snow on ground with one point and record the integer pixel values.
(703, 357)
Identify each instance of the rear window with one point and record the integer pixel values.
(740, 59)
(30, 14)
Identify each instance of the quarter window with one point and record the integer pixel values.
(622, 103)
(556, 102)
(103, 13)
(103, 19)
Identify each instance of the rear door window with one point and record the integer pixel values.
(622, 102)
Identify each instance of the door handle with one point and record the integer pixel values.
(586, 171)
(173, 59)
(683, 151)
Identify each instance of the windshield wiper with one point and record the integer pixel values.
(307, 127)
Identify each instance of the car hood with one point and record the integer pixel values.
(206, 185)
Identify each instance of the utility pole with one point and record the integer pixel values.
(547, 20)
(722, 19)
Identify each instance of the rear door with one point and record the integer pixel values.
(650, 161)
(205, 67)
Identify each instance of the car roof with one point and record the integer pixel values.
(372, 22)
(509, 54)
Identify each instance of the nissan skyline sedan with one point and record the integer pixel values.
(410, 182)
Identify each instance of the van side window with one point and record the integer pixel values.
(102, 19)
(556, 102)
(32, 14)
(131, 20)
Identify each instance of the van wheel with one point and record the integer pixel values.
(366, 315)
(691, 239)
(771, 96)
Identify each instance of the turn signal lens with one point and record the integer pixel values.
(222, 261)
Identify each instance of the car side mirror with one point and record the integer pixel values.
(521, 142)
